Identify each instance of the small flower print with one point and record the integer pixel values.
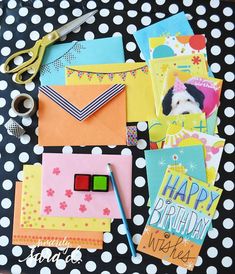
(106, 211)
(56, 171)
(68, 193)
(50, 192)
(88, 197)
(47, 209)
(82, 208)
(196, 60)
(63, 205)
(175, 157)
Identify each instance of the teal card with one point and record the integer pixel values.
(189, 160)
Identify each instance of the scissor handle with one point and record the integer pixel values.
(34, 62)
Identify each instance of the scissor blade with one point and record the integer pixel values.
(67, 28)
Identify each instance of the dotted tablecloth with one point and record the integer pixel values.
(22, 22)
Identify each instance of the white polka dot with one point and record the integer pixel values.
(37, 4)
(75, 271)
(132, 1)
(77, 12)
(211, 270)
(91, 250)
(7, 35)
(131, 29)
(229, 26)
(214, 3)
(229, 148)
(228, 204)
(212, 252)
(24, 157)
(227, 11)
(31, 262)
(151, 269)
(11, 4)
(20, 44)
(39, 150)
(121, 229)
(229, 42)
(213, 233)
(26, 121)
(173, 8)
(146, 7)
(45, 270)
(2, 102)
(25, 139)
(5, 51)
(201, 10)
(202, 23)
(21, 27)
(108, 237)
(106, 257)
(229, 130)
(4, 241)
(138, 219)
(146, 20)
(3, 259)
(121, 268)
(229, 167)
(130, 61)
(76, 255)
(7, 184)
(64, 4)
(229, 59)
(103, 28)
(119, 6)
(20, 175)
(89, 35)
(139, 200)
(142, 126)
(4, 222)
(227, 242)
(6, 203)
(136, 238)
(215, 67)
(126, 151)
(36, 19)
(229, 94)
(140, 181)
(60, 264)
(117, 20)
(215, 50)
(137, 260)
(1, 119)
(48, 27)
(34, 35)
(132, 13)
(23, 11)
(228, 223)
(199, 261)
(9, 166)
(140, 162)
(62, 19)
(229, 76)
(228, 185)
(10, 19)
(122, 248)
(104, 12)
(142, 144)
(17, 251)
(96, 150)
(215, 33)
(216, 215)
(90, 266)
(49, 12)
(117, 34)
(227, 261)
(91, 5)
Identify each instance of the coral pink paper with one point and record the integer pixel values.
(59, 197)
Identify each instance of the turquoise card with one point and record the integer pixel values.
(98, 51)
(189, 160)
(174, 25)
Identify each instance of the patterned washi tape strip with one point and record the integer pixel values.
(14, 128)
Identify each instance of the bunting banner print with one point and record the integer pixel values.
(110, 75)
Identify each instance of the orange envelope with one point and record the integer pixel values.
(82, 115)
(49, 237)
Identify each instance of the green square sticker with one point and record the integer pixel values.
(100, 183)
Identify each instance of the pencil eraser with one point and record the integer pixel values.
(100, 183)
(82, 182)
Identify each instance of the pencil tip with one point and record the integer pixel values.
(109, 167)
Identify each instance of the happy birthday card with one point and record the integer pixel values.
(180, 218)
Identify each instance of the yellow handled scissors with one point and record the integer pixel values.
(38, 50)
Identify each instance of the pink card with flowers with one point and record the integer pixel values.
(177, 136)
(58, 191)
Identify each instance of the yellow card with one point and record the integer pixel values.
(136, 77)
(31, 202)
(158, 127)
(194, 64)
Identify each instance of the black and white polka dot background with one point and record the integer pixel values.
(21, 24)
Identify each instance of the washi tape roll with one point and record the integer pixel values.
(14, 128)
(23, 105)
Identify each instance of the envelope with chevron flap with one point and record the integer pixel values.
(82, 115)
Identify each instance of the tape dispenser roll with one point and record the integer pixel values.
(23, 105)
